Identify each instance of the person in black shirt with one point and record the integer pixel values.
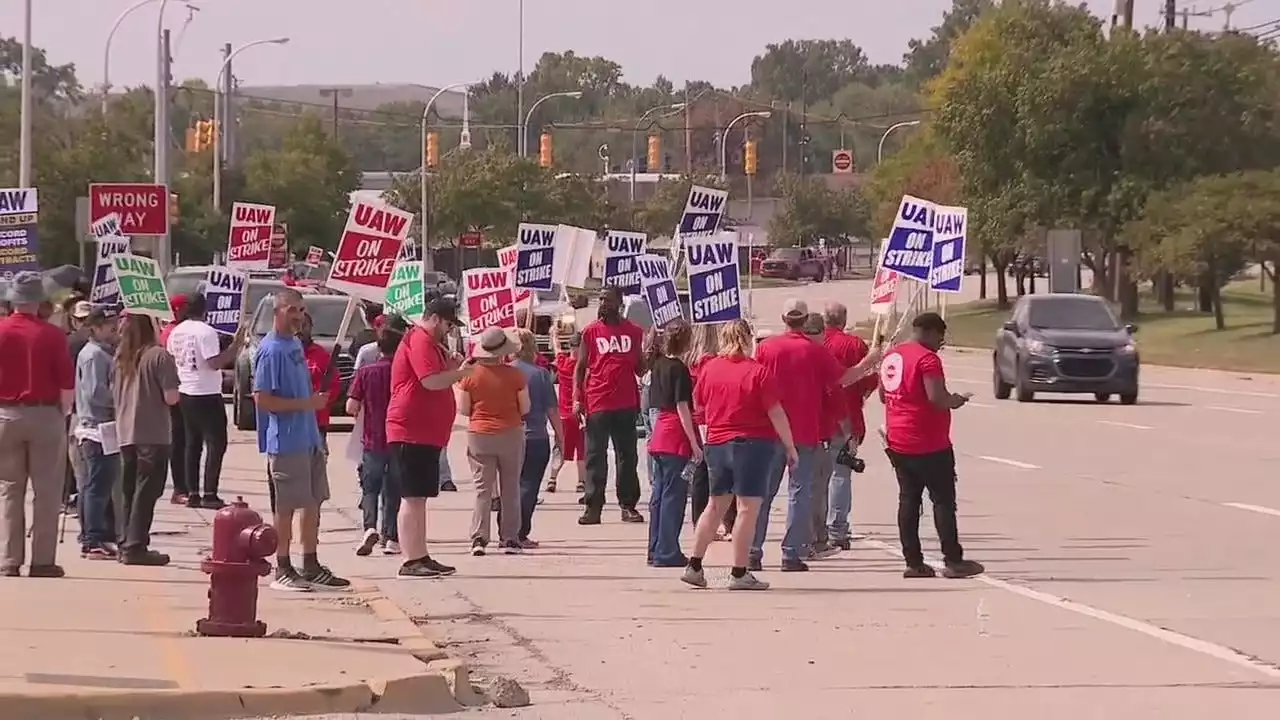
(673, 444)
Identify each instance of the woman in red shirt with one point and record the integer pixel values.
(745, 422)
(565, 340)
(673, 444)
(705, 344)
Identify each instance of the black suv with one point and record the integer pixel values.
(1065, 343)
(326, 315)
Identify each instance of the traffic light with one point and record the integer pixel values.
(655, 152)
(749, 158)
(544, 150)
(433, 149)
(175, 209)
(204, 135)
(193, 144)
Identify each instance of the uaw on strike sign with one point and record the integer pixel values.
(489, 299)
(368, 250)
(507, 261)
(249, 239)
(927, 243)
(621, 248)
(535, 256)
(712, 264)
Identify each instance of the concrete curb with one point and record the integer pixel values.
(399, 625)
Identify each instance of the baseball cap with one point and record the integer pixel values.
(81, 310)
(444, 308)
(795, 309)
(379, 321)
(178, 304)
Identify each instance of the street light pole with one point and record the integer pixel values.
(24, 128)
(525, 128)
(106, 50)
(217, 101)
(880, 149)
(520, 144)
(635, 135)
(160, 173)
(422, 170)
(724, 140)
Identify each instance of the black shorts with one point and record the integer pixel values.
(417, 467)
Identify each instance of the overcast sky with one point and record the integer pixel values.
(435, 42)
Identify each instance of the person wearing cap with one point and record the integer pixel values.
(834, 425)
(367, 399)
(96, 415)
(495, 398)
(37, 382)
(917, 411)
(607, 394)
(419, 423)
(565, 341)
(809, 372)
(848, 350)
(177, 429)
(195, 348)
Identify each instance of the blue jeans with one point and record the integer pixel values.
(378, 482)
(446, 474)
(667, 499)
(839, 495)
(101, 474)
(537, 453)
(799, 498)
(650, 419)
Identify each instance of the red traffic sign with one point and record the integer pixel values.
(470, 239)
(143, 207)
(842, 161)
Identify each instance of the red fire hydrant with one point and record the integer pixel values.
(241, 541)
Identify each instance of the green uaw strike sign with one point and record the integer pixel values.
(405, 291)
(141, 286)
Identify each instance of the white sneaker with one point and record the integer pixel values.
(367, 543)
(747, 582)
(391, 548)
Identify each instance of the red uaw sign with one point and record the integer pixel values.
(368, 250)
(143, 207)
(842, 161)
(249, 239)
(315, 255)
(279, 246)
(884, 288)
(489, 301)
(507, 261)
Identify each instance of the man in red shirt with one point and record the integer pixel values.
(917, 409)
(318, 360)
(566, 365)
(606, 392)
(848, 350)
(808, 372)
(420, 420)
(36, 385)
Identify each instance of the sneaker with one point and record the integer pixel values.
(178, 499)
(754, 565)
(551, 486)
(589, 518)
(511, 547)
(439, 567)
(529, 544)
(631, 515)
(143, 557)
(822, 552)
(680, 561)
(919, 571)
(100, 552)
(963, 569)
(321, 578)
(290, 581)
(46, 571)
(370, 540)
(746, 582)
(11, 571)
(794, 566)
(448, 486)
(212, 502)
(581, 487)
(696, 578)
(416, 570)
(391, 548)
(477, 547)
(193, 501)
(845, 544)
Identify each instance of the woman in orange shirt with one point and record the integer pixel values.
(495, 397)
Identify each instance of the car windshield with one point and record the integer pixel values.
(259, 289)
(326, 316)
(1071, 313)
(791, 254)
(185, 283)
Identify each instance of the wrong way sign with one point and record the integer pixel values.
(143, 207)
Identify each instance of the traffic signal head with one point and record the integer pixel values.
(544, 150)
(204, 135)
(433, 149)
(749, 157)
(655, 152)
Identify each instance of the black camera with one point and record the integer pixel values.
(851, 460)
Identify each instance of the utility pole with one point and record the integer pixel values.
(164, 251)
(1171, 15)
(804, 118)
(335, 93)
(688, 134)
(1128, 14)
(228, 122)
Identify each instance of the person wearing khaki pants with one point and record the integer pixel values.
(36, 381)
(495, 396)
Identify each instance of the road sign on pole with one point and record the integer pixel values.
(143, 207)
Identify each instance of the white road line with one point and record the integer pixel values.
(1187, 642)
(1254, 508)
(1219, 391)
(1242, 411)
(1011, 463)
(1117, 423)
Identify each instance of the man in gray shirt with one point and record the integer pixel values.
(95, 418)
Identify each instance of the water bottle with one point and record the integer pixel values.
(690, 470)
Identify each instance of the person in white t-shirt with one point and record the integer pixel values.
(194, 345)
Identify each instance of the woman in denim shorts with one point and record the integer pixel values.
(745, 423)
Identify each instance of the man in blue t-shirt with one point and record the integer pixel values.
(289, 436)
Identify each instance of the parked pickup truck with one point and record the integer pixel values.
(794, 264)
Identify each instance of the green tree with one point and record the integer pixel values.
(926, 59)
(807, 69)
(812, 211)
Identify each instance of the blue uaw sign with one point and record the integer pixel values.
(712, 265)
(909, 249)
(19, 243)
(703, 211)
(621, 248)
(224, 296)
(946, 273)
(658, 288)
(535, 256)
(106, 289)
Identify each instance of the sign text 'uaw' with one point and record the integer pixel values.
(702, 212)
(489, 299)
(621, 248)
(106, 289)
(507, 261)
(712, 266)
(142, 288)
(946, 274)
(249, 236)
(224, 296)
(19, 240)
(143, 207)
(658, 288)
(909, 250)
(368, 250)
(535, 256)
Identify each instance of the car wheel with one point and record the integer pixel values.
(243, 412)
(1102, 397)
(1022, 393)
(1001, 388)
(1129, 398)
